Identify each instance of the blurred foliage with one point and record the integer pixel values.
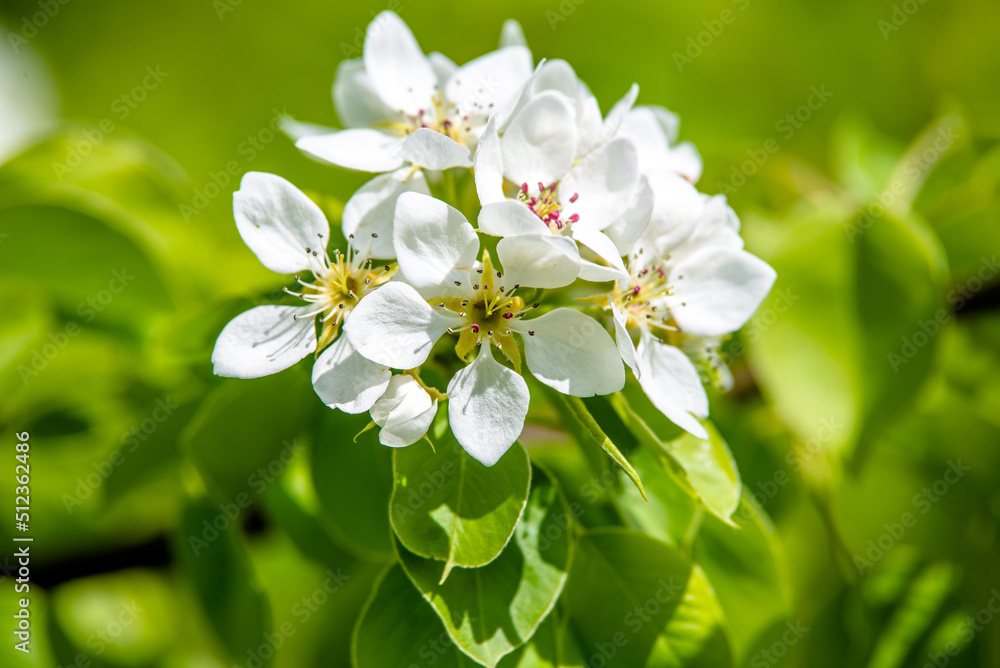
(183, 520)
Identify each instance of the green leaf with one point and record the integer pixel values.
(353, 480)
(636, 601)
(911, 622)
(399, 628)
(589, 434)
(263, 416)
(98, 276)
(491, 610)
(214, 558)
(447, 506)
(294, 505)
(746, 566)
(702, 469)
(542, 651)
(710, 468)
(833, 345)
(671, 512)
(126, 617)
(695, 635)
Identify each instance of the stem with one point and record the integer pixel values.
(589, 433)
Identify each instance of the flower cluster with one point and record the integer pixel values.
(591, 250)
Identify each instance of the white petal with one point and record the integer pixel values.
(493, 81)
(672, 383)
(606, 181)
(404, 412)
(606, 250)
(262, 341)
(716, 290)
(510, 218)
(443, 66)
(435, 245)
(554, 75)
(512, 34)
(433, 150)
(488, 165)
(296, 130)
(685, 160)
(278, 222)
(676, 210)
(354, 97)
(598, 273)
(538, 260)
(362, 149)
(625, 346)
(619, 113)
(715, 225)
(344, 379)
(540, 142)
(572, 353)
(372, 208)
(394, 326)
(627, 230)
(399, 71)
(487, 404)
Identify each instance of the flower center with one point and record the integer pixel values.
(487, 312)
(644, 300)
(338, 285)
(442, 116)
(545, 204)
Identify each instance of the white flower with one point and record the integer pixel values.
(445, 290)
(288, 233)
(690, 283)
(653, 131)
(404, 111)
(404, 412)
(548, 170)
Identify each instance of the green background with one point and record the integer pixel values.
(855, 284)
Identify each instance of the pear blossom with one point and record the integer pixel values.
(555, 165)
(404, 412)
(289, 234)
(405, 112)
(653, 131)
(690, 284)
(444, 290)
